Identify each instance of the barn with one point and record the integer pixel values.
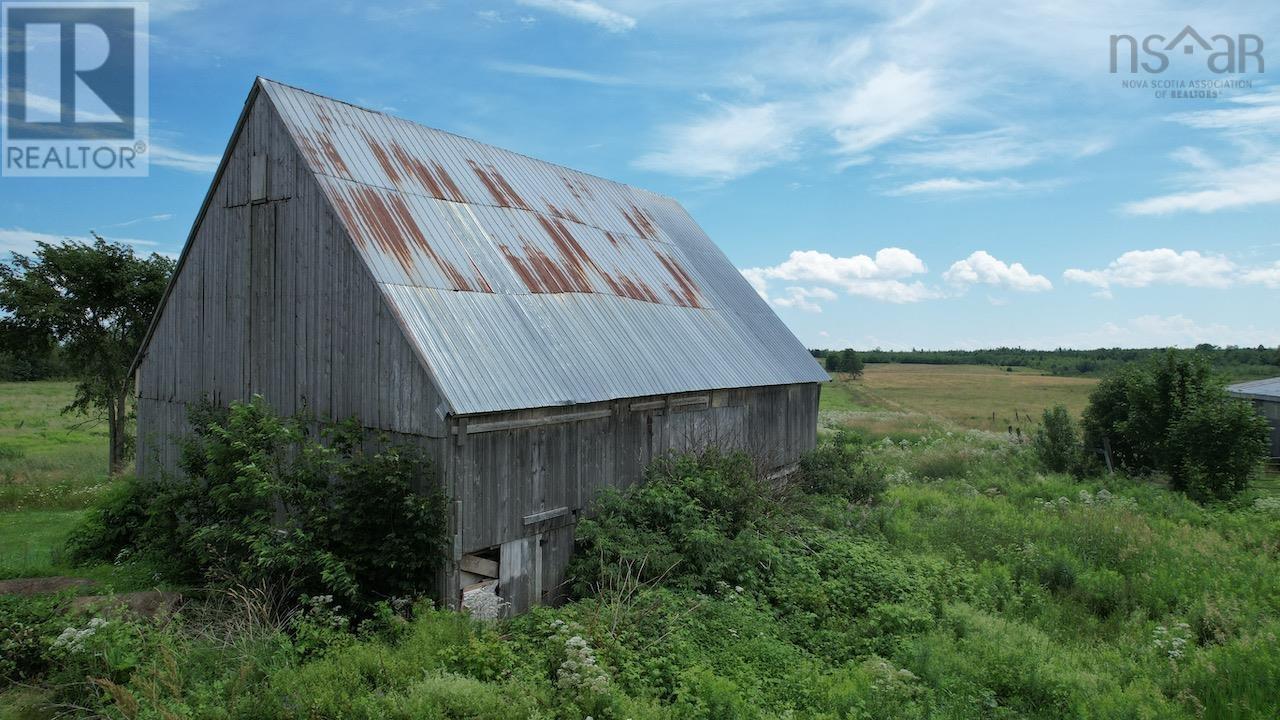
(1265, 396)
(541, 332)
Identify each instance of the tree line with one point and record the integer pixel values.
(1231, 361)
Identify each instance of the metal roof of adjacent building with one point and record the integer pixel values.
(1268, 389)
(525, 284)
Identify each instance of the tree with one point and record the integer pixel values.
(846, 361)
(1172, 415)
(92, 302)
(1056, 441)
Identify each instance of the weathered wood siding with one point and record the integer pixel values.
(1270, 409)
(271, 299)
(519, 488)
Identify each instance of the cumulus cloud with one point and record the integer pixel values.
(735, 141)
(1164, 331)
(1268, 276)
(1140, 268)
(982, 267)
(883, 277)
(802, 298)
(585, 11)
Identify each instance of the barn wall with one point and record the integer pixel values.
(272, 299)
(1270, 409)
(522, 488)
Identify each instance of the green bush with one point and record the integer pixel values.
(114, 524)
(260, 502)
(691, 521)
(1057, 441)
(1172, 415)
(27, 627)
(838, 467)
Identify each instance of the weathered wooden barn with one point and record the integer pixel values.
(1265, 396)
(542, 332)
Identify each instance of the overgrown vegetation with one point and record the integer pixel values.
(262, 503)
(964, 584)
(1171, 415)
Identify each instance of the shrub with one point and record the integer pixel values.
(27, 626)
(1172, 415)
(1057, 441)
(1221, 443)
(692, 520)
(839, 467)
(114, 524)
(262, 503)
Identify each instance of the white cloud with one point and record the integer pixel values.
(558, 73)
(1213, 189)
(21, 240)
(178, 159)
(1162, 331)
(1140, 268)
(952, 186)
(1210, 184)
(802, 298)
(735, 141)
(1269, 276)
(993, 150)
(586, 11)
(891, 103)
(158, 217)
(982, 267)
(882, 277)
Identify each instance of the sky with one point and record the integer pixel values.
(915, 174)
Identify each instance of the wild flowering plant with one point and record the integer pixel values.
(72, 640)
(579, 672)
(1173, 641)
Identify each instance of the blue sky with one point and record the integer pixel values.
(892, 174)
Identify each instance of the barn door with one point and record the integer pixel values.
(531, 570)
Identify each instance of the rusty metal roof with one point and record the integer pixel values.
(526, 284)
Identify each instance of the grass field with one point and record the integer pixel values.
(910, 400)
(52, 467)
(975, 586)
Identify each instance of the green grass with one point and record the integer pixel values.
(910, 401)
(52, 467)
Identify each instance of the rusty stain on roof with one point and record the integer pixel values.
(603, 290)
(498, 187)
(390, 224)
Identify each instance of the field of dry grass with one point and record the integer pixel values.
(910, 400)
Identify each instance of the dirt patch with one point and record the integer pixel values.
(45, 585)
(147, 603)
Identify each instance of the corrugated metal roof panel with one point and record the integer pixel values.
(525, 284)
(1268, 389)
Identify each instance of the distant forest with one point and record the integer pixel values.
(1236, 363)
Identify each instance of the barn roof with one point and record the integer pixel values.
(526, 284)
(1268, 389)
